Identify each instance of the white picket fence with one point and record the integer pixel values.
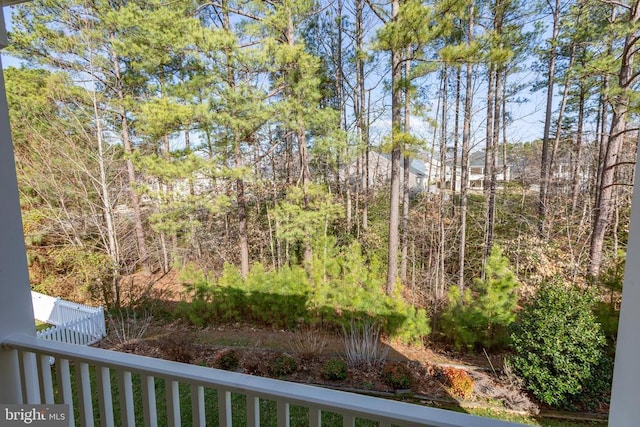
(73, 323)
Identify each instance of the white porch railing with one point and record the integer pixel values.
(212, 395)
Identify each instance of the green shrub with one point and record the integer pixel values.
(607, 310)
(557, 343)
(229, 360)
(397, 375)
(334, 370)
(596, 393)
(483, 320)
(283, 365)
(340, 287)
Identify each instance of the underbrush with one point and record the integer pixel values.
(338, 290)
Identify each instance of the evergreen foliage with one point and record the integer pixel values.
(484, 315)
(289, 295)
(557, 343)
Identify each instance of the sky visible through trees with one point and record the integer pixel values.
(525, 125)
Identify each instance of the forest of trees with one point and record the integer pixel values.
(212, 138)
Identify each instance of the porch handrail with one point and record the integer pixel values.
(317, 399)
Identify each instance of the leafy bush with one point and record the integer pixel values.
(334, 370)
(229, 360)
(596, 393)
(557, 343)
(282, 365)
(397, 375)
(483, 320)
(459, 382)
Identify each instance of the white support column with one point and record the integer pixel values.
(625, 401)
(16, 309)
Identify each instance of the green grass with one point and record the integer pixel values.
(268, 409)
(524, 419)
(41, 326)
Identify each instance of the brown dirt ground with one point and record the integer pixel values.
(169, 288)
(257, 348)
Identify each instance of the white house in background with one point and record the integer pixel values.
(564, 171)
(423, 173)
(476, 169)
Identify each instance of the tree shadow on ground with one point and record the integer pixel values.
(281, 310)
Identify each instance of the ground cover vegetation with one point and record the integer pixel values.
(261, 157)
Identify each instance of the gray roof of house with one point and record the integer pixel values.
(416, 166)
(477, 158)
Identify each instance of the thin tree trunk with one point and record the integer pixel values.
(620, 107)
(405, 188)
(505, 143)
(275, 256)
(243, 239)
(394, 198)
(305, 179)
(362, 118)
(603, 140)
(456, 134)
(498, 70)
(464, 159)
(342, 112)
(168, 193)
(563, 106)
(113, 249)
(131, 174)
(488, 153)
(491, 206)
(545, 168)
(575, 180)
(442, 181)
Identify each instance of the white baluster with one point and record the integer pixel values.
(197, 406)
(173, 403)
(85, 403)
(149, 401)
(224, 408)
(125, 387)
(105, 399)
